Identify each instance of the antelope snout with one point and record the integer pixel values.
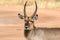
(26, 27)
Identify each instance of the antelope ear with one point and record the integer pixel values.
(20, 16)
(35, 17)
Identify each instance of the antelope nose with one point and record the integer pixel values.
(26, 27)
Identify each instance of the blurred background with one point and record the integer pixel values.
(10, 8)
(41, 3)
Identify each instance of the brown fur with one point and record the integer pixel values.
(44, 34)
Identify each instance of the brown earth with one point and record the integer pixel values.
(11, 27)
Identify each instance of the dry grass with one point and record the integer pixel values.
(41, 4)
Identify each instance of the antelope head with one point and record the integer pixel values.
(29, 21)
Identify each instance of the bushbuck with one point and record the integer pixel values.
(33, 33)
